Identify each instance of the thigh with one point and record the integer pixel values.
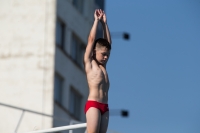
(93, 117)
(104, 122)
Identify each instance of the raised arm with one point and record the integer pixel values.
(91, 38)
(106, 32)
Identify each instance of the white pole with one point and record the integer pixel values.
(56, 129)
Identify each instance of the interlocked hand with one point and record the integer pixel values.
(104, 17)
(98, 14)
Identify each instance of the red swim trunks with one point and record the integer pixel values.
(101, 106)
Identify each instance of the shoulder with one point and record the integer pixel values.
(89, 64)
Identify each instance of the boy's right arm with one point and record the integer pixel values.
(91, 39)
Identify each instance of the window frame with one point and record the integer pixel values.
(59, 101)
(63, 32)
(79, 50)
(76, 107)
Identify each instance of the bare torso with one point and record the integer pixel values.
(98, 82)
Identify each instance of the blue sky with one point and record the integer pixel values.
(156, 74)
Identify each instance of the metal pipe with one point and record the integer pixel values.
(20, 119)
(34, 112)
(56, 129)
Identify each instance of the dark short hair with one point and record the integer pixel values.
(101, 42)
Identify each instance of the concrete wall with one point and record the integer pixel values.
(27, 50)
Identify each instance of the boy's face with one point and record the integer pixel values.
(101, 55)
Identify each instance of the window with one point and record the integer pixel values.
(60, 33)
(58, 87)
(78, 4)
(100, 3)
(77, 51)
(75, 103)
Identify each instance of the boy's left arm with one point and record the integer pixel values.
(106, 32)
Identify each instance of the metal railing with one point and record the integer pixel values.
(31, 111)
(56, 129)
(70, 127)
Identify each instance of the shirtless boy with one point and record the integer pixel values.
(95, 59)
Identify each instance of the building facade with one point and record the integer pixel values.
(42, 43)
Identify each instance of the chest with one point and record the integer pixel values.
(99, 72)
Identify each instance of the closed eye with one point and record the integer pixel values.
(105, 54)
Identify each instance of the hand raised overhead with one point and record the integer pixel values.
(103, 17)
(98, 14)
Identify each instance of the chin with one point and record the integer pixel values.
(103, 62)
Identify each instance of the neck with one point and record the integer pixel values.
(99, 64)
